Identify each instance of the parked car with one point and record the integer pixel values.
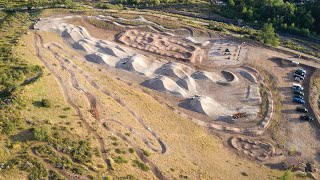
(298, 100)
(306, 118)
(298, 96)
(298, 79)
(297, 88)
(302, 109)
(298, 75)
(297, 92)
(296, 84)
(301, 69)
(301, 73)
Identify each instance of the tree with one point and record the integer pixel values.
(231, 3)
(287, 175)
(68, 3)
(40, 134)
(8, 127)
(268, 35)
(156, 2)
(45, 103)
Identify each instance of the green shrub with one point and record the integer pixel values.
(45, 103)
(8, 127)
(120, 160)
(63, 116)
(40, 133)
(244, 174)
(146, 153)
(131, 150)
(140, 165)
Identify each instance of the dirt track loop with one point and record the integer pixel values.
(39, 44)
(64, 173)
(108, 93)
(68, 65)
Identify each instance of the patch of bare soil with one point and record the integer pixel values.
(98, 33)
(295, 136)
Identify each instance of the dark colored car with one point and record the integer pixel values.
(298, 100)
(301, 73)
(302, 109)
(298, 79)
(297, 92)
(306, 118)
(298, 75)
(297, 88)
(298, 96)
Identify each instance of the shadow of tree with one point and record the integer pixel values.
(23, 136)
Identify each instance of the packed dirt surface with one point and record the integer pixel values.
(175, 78)
(227, 53)
(255, 149)
(207, 81)
(163, 45)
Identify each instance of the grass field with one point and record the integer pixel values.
(192, 151)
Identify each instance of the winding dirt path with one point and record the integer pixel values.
(64, 62)
(133, 131)
(39, 44)
(154, 168)
(148, 24)
(109, 93)
(49, 166)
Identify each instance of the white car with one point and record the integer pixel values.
(298, 85)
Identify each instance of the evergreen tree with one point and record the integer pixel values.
(268, 35)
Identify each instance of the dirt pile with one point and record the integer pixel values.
(162, 45)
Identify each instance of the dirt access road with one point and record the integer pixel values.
(294, 134)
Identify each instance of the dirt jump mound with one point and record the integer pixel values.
(165, 84)
(139, 64)
(159, 44)
(206, 105)
(230, 78)
(255, 149)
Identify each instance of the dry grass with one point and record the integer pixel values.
(60, 113)
(192, 152)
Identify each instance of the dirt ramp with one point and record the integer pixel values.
(175, 70)
(165, 84)
(248, 76)
(188, 83)
(139, 64)
(205, 105)
(230, 78)
(203, 75)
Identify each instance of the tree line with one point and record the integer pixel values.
(285, 15)
(16, 4)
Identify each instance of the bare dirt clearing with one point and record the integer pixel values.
(224, 97)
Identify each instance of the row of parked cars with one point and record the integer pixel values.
(298, 94)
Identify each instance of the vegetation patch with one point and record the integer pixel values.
(140, 165)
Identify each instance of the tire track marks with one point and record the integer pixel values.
(38, 40)
(93, 103)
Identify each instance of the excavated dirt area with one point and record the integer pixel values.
(167, 64)
(196, 90)
(163, 45)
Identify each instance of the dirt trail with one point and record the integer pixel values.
(154, 168)
(109, 93)
(93, 104)
(49, 166)
(139, 152)
(149, 24)
(39, 44)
